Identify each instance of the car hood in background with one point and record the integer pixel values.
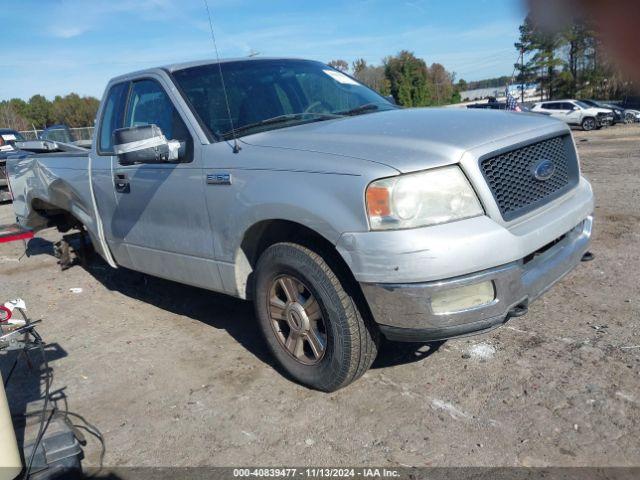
(407, 139)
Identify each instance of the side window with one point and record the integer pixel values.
(112, 116)
(150, 104)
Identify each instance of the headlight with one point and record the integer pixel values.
(418, 199)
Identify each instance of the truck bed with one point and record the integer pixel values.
(50, 181)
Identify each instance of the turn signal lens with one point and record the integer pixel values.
(378, 204)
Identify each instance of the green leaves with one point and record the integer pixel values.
(38, 112)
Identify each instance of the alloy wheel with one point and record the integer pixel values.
(297, 320)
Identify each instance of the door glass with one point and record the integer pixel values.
(150, 104)
(112, 116)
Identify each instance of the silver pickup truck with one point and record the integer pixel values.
(340, 215)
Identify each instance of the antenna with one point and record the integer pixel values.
(236, 146)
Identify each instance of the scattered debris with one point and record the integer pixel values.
(75, 290)
(509, 327)
(480, 351)
(454, 412)
(16, 303)
(600, 328)
(632, 346)
(625, 396)
(310, 441)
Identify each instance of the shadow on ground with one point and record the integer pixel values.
(216, 310)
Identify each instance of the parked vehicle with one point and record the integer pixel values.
(340, 215)
(489, 105)
(575, 112)
(631, 116)
(495, 105)
(617, 111)
(8, 138)
(62, 133)
(621, 114)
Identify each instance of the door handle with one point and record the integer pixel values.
(121, 181)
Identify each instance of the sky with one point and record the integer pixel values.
(54, 47)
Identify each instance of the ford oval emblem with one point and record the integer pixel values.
(543, 170)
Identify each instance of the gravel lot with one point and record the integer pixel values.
(176, 376)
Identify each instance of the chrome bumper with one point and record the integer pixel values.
(403, 311)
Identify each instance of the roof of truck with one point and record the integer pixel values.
(197, 63)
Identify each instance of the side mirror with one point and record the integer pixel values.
(145, 144)
(391, 99)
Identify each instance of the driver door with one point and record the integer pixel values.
(573, 113)
(160, 216)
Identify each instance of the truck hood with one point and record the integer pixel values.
(407, 139)
(596, 110)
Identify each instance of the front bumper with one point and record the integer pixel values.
(403, 310)
(605, 119)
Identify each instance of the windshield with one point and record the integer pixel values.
(269, 94)
(582, 104)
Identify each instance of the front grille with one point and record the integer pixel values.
(510, 175)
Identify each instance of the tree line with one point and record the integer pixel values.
(569, 63)
(407, 78)
(486, 83)
(39, 112)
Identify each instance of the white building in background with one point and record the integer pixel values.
(530, 90)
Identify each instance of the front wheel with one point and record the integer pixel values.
(589, 124)
(310, 319)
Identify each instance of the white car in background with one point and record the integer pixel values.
(575, 112)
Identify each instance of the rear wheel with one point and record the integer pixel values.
(629, 118)
(589, 123)
(310, 321)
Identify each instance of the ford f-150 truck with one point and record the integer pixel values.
(342, 216)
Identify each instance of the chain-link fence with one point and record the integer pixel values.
(78, 133)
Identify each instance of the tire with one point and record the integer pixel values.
(350, 339)
(629, 118)
(589, 124)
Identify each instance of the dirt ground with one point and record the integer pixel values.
(175, 376)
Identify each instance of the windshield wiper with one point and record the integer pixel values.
(281, 119)
(367, 107)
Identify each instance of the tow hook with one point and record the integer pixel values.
(587, 257)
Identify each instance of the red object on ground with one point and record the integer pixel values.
(5, 314)
(11, 233)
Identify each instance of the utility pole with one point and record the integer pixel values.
(522, 76)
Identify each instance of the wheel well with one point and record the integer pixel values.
(262, 235)
(55, 216)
